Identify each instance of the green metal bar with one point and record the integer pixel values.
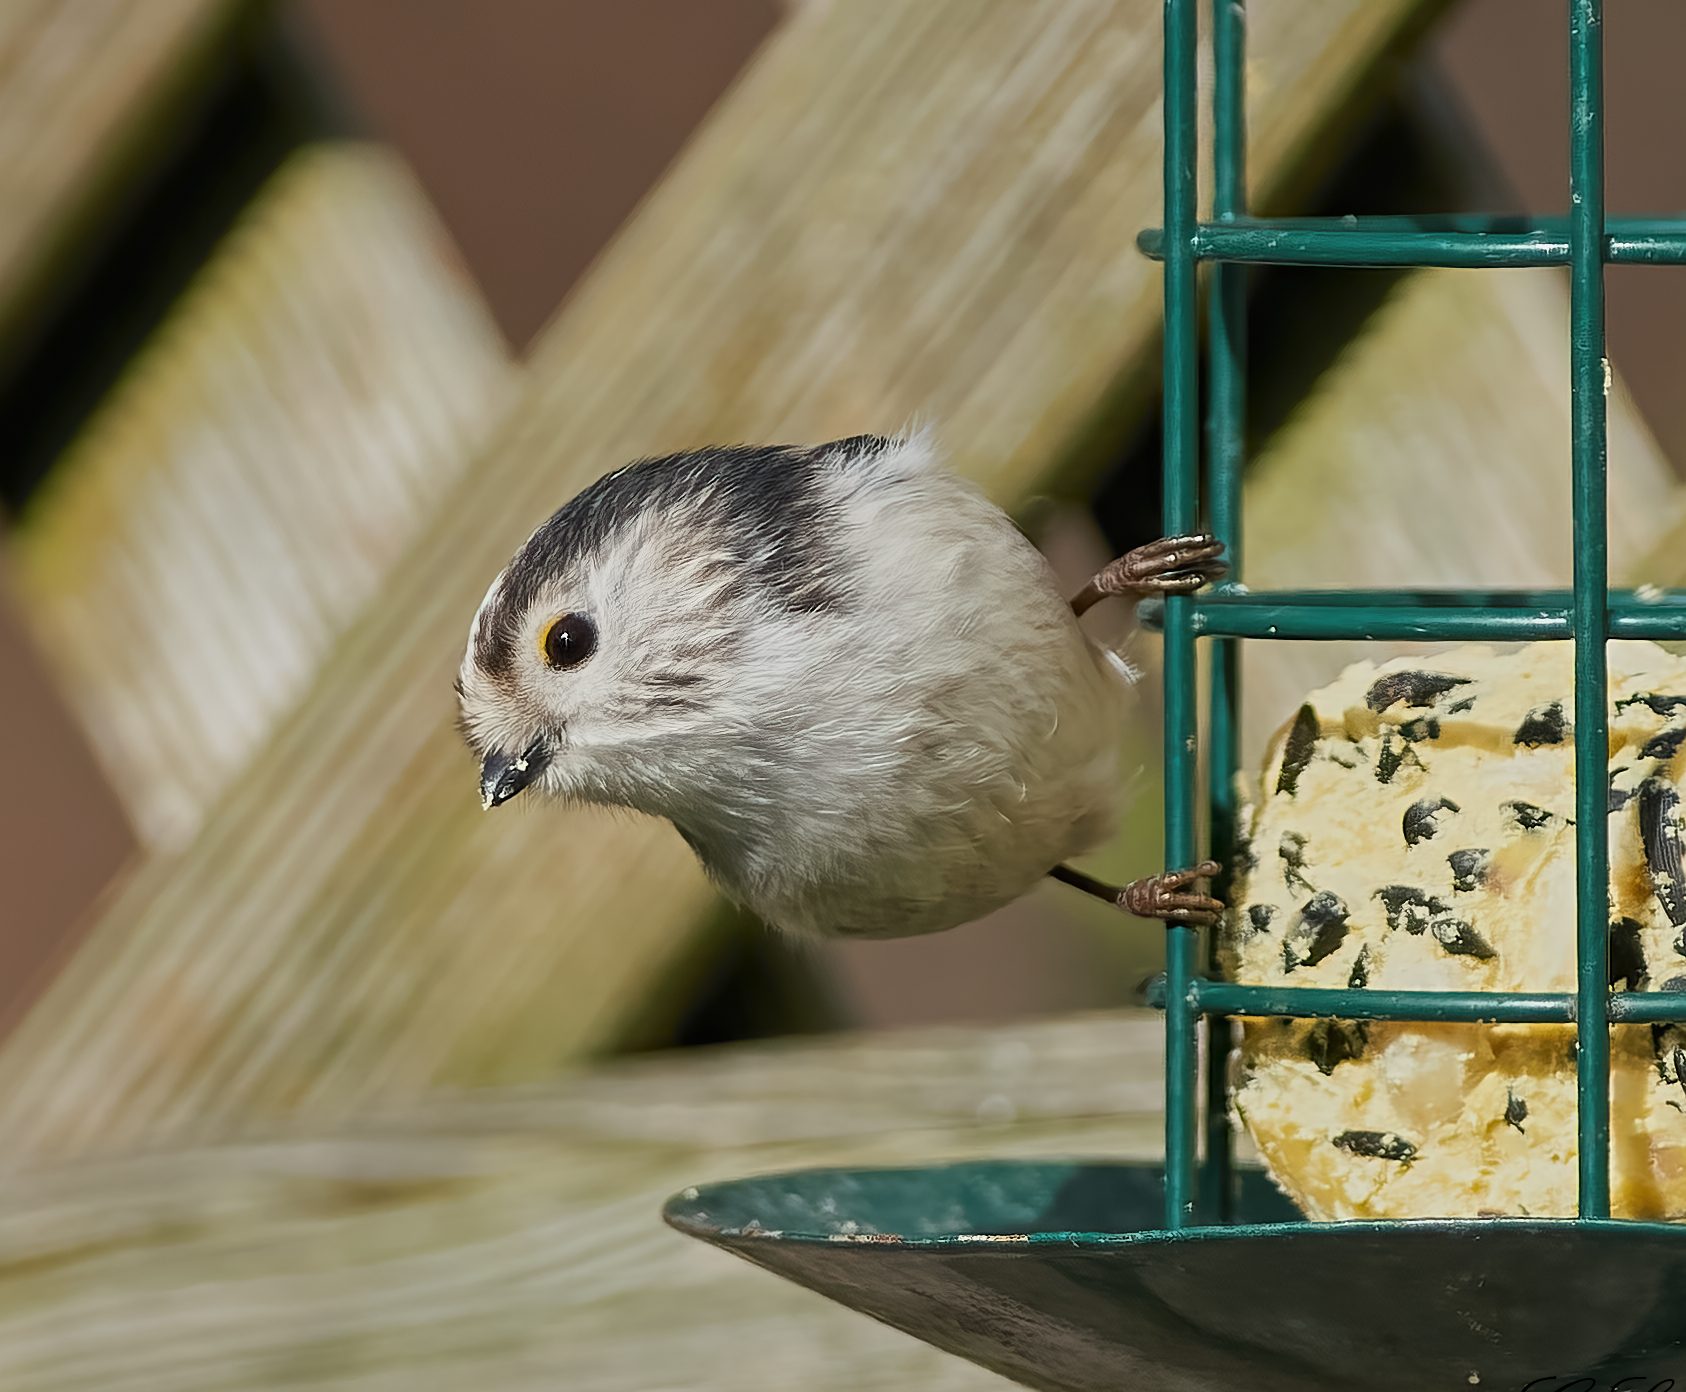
(1647, 622)
(1226, 428)
(1648, 1007)
(1629, 602)
(1629, 227)
(1422, 615)
(1588, 369)
(1472, 243)
(1358, 620)
(1435, 1007)
(1180, 465)
(1520, 1008)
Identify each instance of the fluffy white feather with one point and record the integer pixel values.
(914, 742)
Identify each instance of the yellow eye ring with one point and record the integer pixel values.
(566, 641)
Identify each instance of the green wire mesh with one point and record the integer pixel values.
(1588, 615)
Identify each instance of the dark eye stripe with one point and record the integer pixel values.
(568, 641)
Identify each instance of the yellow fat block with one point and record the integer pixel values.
(1413, 829)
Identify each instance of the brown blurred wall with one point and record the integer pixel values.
(536, 125)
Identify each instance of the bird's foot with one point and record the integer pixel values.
(1167, 896)
(1171, 565)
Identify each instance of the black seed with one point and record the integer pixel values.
(1418, 822)
(1674, 983)
(1516, 1110)
(1408, 907)
(1627, 955)
(1394, 752)
(1665, 744)
(1318, 930)
(1259, 917)
(1458, 938)
(1332, 1042)
(1291, 848)
(1415, 689)
(1359, 977)
(1542, 725)
(1469, 868)
(1244, 860)
(1297, 751)
(1658, 705)
(1376, 1145)
(1424, 727)
(1526, 815)
(1659, 830)
(1667, 1055)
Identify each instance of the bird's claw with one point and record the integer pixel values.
(1171, 565)
(1164, 896)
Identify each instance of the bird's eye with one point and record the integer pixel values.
(568, 640)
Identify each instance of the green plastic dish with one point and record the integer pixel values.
(1055, 1275)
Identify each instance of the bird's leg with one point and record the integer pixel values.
(1171, 565)
(1165, 896)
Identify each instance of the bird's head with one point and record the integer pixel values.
(631, 639)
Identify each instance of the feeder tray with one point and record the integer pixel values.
(1056, 1275)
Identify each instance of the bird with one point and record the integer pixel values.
(843, 674)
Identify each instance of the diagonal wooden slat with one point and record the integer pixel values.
(242, 491)
(900, 211)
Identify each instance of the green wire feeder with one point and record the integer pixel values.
(1079, 1277)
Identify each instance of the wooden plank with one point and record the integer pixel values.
(1435, 449)
(245, 487)
(512, 1241)
(899, 211)
(84, 87)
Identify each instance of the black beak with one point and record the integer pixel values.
(502, 777)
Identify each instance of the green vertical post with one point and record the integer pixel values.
(1181, 461)
(1226, 426)
(1588, 371)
